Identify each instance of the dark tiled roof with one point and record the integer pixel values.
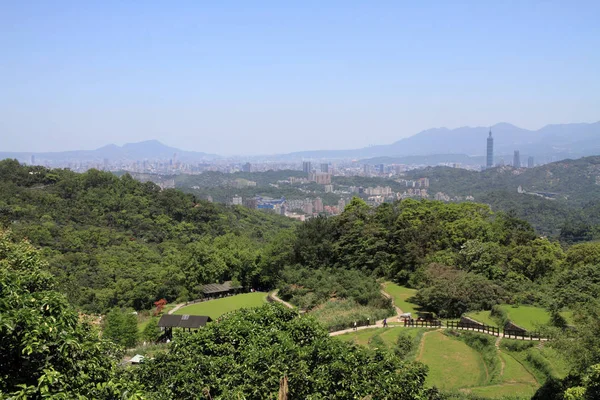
(219, 287)
(183, 321)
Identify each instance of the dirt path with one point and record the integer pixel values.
(502, 363)
(177, 307)
(386, 294)
(273, 295)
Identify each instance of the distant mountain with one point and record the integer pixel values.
(562, 141)
(147, 150)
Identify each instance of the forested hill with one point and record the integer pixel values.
(561, 196)
(117, 242)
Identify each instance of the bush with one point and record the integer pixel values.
(500, 315)
(341, 314)
(404, 346)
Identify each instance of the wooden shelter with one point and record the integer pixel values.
(212, 290)
(170, 321)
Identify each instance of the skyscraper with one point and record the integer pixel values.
(517, 159)
(306, 167)
(530, 163)
(325, 168)
(490, 151)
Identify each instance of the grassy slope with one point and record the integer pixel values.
(218, 307)
(482, 316)
(452, 364)
(528, 317)
(388, 335)
(400, 294)
(516, 381)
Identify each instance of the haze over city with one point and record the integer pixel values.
(268, 77)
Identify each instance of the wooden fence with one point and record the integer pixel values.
(494, 331)
(423, 323)
(490, 330)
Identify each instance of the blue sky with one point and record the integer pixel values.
(264, 77)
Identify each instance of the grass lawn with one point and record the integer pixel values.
(452, 364)
(528, 317)
(400, 294)
(515, 381)
(218, 307)
(482, 316)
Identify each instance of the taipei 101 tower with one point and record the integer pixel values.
(490, 151)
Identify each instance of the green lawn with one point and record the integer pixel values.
(482, 316)
(452, 364)
(515, 381)
(400, 294)
(528, 317)
(218, 307)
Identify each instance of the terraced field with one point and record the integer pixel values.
(454, 366)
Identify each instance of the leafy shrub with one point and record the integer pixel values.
(341, 314)
(249, 351)
(499, 314)
(404, 345)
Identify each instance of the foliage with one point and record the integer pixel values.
(247, 353)
(45, 350)
(151, 331)
(120, 326)
(451, 293)
(115, 242)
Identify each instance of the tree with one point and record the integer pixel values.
(120, 326)
(249, 351)
(45, 350)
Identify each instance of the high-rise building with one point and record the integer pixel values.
(517, 159)
(341, 205)
(530, 162)
(318, 205)
(380, 168)
(490, 151)
(366, 169)
(32, 159)
(306, 167)
(247, 167)
(325, 168)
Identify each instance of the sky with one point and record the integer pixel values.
(264, 77)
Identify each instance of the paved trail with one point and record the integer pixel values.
(274, 296)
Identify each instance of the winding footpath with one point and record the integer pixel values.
(379, 324)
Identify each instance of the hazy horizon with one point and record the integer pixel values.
(267, 78)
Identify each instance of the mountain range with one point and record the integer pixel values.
(146, 150)
(564, 140)
(466, 145)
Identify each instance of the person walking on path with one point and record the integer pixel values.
(385, 322)
(355, 328)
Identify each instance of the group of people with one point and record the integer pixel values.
(369, 323)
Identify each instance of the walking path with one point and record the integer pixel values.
(273, 295)
(379, 324)
(177, 307)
